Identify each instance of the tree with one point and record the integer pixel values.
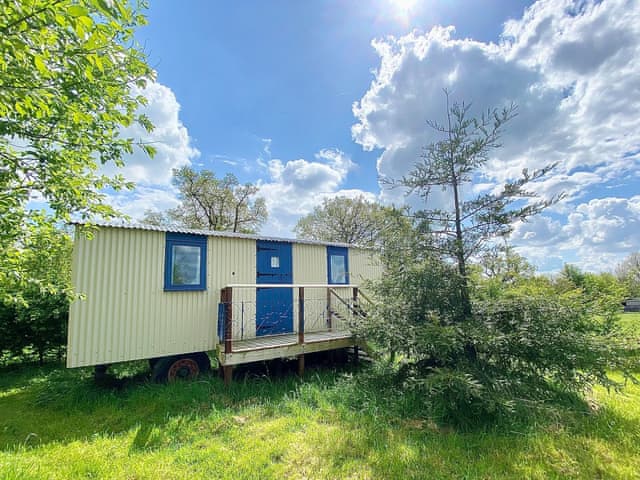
(462, 231)
(524, 345)
(71, 77)
(501, 268)
(356, 221)
(37, 318)
(503, 263)
(155, 217)
(628, 272)
(602, 292)
(210, 203)
(517, 342)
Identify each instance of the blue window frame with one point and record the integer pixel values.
(338, 265)
(185, 262)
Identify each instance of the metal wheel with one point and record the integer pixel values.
(186, 367)
(183, 368)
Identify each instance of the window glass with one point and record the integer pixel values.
(186, 265)
(275, 262)
(338, 269)
(185, 262)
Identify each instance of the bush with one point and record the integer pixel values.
(38, 326)
(517, 350)
(34, 306)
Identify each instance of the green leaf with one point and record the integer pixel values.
(77, 11)
(76, 65)
(103, 7)
(98, 63)
(86, 21)
(40, 65)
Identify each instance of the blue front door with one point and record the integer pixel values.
(274, 306)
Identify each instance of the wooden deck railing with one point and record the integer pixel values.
(335, 297)
(342, 304)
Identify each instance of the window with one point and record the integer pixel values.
(185, 262)
(338, 264)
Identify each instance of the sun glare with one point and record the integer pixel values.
(402, 10)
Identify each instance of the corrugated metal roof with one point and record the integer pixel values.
(211, 233)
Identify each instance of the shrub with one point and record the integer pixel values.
(517, 350)
(34, 305)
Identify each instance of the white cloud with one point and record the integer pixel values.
(295, 187)
(143, 198)
(153, 175)
(573, 69)
(598, 234)
(170, 138)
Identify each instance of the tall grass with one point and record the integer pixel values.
(344, 423)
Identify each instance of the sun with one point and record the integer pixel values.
(402, 10)
(403, 5)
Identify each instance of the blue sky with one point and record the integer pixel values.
(311, 100)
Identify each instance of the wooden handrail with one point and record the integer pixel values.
(366, 298)
(226, 298)
(346, 304)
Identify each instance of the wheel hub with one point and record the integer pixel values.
(184, 368)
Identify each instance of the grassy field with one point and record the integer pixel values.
(56, 424)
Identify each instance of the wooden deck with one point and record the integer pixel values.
(283, 346)
(274, 341)
(233, 352)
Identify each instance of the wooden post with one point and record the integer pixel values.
(301, 329)
(356, 308)
(355, 298)
(223, 302)
(301, 315)
(329, 312)
(226, 298)
(228, 320)
(228, 374)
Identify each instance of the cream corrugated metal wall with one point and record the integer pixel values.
(363, 265)
(310, 266)
(127, 315)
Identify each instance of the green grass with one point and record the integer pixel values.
(56, 424)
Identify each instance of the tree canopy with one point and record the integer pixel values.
(70, 77)
(211, 203)
(36, 318)
(462, 229)
(476, 343)
(528, 339)
(628, 272)
(347, 220)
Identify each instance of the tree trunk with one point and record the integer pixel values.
(235, 218)
(462, 264)
(459, 249)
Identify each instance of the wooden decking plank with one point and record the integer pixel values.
(286, 351)
(275, 341)
(281, 346)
